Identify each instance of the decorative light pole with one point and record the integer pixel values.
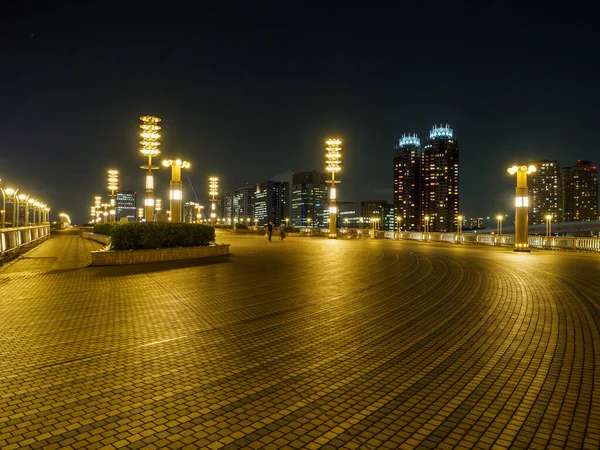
(157, 206)
(176, 195)
(399, 221)
(113, 185)
(213, 189)
(24, 199)
(459, 224)
(150, 144)
(548, 218)
(140, 214)
(521, 206)
(93, 213)
(9, 195)
(426, 224)
(333, 159)
(499, 218)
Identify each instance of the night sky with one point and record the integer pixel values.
(249, 91)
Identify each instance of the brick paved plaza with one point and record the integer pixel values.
(305, 343)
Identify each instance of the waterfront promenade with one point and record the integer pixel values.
(301, 343)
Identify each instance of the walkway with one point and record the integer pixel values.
(305, 343)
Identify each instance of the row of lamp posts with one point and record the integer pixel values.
(41, 211)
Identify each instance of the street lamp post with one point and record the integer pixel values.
(176, 186)
(333, 159)
(25, 199)
(140, 214)
(459, 224)
(9, 195)
(399, 222)
(548, 218)
(499, 218)
(213, 189)
(521, 206)
(426, 224)
(308, 220)
(150, 144)
(113, 185)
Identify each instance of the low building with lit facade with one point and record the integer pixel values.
(126, 206)
(440, 180)
(271, 203)
(544, 191)
(580, 192)
(407, 162)
(310, 199)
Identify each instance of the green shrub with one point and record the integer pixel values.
(241, 226)
(223, 226)
(150, 235)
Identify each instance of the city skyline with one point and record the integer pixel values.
(246, 92)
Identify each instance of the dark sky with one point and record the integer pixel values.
(248, 91)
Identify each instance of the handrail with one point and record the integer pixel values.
(12, 239)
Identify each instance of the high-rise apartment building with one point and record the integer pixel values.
(407, 162)
(271, 202)
(125, 205)
(544, 191)
(439, 180)
(242, 203)
(580, 192)
(310, 200)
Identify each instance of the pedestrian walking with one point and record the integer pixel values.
(270, 230)
(282, 231)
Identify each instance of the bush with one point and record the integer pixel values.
(150, 235)
(223, 226)
(241, 226)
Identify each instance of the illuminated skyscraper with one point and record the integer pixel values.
(407, 162)
(439, 180)
(242, 203)
(580, 192)
(310, 199)
(544, 191)
(271, 202)
(126, 205)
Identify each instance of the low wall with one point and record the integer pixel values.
(118, 257)
(17, 239)
(102, 238)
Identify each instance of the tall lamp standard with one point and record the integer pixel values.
(140, 214)
(521, 206)
(499, 218)
(9, 195)
(426, 224)
(176, 186)
(24, 199)
(213, 189)
(333, 159)
(150, 144)
(113, 185)
(459, 224)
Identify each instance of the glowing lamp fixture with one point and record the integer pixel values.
(213, 186)
(176, 192)
(150, 143)
(521, 205)
(333, 155)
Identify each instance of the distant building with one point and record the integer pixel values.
(310, 200)
(271, 202)
(544, 191)
(476, 223)
(125, 204)
(407, 163)
(226, 207)
(242, 203)
(440, 180)
(580, 192)
(349, 214)
(191, 210)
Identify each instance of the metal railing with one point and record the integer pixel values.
(503, 240)
(12, 239)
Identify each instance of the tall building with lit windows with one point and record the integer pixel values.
(544, 191)
(125, 205)
(580, 192)
(439, 180)
(407, 163)
(242, 203)
(310, 200)
(271, 202)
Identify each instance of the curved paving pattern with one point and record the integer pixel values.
(305, 343)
